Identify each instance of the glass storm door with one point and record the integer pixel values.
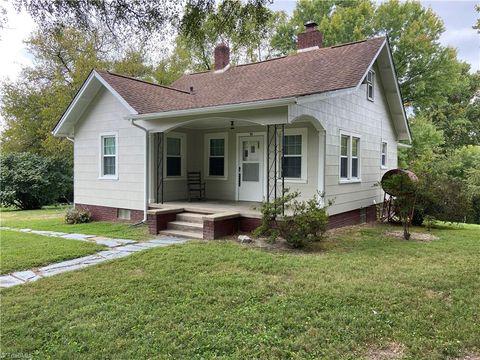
(250, 170)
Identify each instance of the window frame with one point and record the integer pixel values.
(101, 174)
(370, 84)
(214, 136)
(183, 155)
(349, 179)
(303, 132)
(384, 154)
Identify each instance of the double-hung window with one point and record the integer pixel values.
(383, 156)
(370, 82)
(175, 155)
(294, 154)
(349, 158)
(216, 164)
(108, 149)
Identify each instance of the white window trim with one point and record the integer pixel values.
(349, 179)
(183, 156)
(372, 84)
(208, 137)
(101, 176)
(304, 133)
(384, 166)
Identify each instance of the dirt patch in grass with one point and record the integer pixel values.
(391, 352)
(468, 357)
(413, 236)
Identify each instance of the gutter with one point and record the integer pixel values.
(217, 109)
(146, 166)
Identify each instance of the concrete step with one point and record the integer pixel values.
(182, 234)
(190, 217)
(185, 226)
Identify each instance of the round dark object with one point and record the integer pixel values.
(390, 189)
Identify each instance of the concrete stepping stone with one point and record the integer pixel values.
(130, 248)
(168, 241)
(125, 241)
(147, 245)
(108, 242)
(23, 230)
(113, 254)
(8, 281)
(27, 275)
(48, 233)
(82, 237)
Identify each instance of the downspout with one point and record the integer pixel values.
(146, 167)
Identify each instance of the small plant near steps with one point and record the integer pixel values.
(186, 224)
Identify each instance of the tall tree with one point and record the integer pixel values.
(427, 71)
(241, 25)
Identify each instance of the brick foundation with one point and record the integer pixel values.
(158, 222)
(248, 224)
(218, 228)
(106, 213)
(353, 217)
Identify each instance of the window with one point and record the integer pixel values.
(344, 156)
(384, 155)
(292, 165)
(349, 158)
(216, 154)
(295, 154)
(370, 82)
(123, 214)
(175, 158)
(108, 166)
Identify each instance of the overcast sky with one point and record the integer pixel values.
(458, 16)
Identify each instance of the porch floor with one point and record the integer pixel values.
(244, 208)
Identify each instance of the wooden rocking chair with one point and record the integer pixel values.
(195, 186)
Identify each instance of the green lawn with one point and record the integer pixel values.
(21, 251)
(52, 218)
(219, 299)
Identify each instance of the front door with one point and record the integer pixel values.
(250, 169)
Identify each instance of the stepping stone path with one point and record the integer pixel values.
(118, 248)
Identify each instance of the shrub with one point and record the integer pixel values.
(307, 223)
(30, 181)
(77, 216)
(270, 213)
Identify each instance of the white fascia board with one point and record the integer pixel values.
(372, 62)
(215, 109)
(77, 98)
(397, 88)
(403, 145)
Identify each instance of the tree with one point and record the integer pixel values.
(427, 71)
(30, 181)
(240, 25)
(141, 21)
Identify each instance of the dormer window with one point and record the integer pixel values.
(370, 82)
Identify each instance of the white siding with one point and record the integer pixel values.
(225, 189)
(106, 114)
(371, 120)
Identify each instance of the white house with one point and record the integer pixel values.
(332, 116)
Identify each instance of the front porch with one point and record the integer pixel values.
(210, 219)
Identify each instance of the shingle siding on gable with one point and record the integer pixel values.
(106, 114)
(371, 120)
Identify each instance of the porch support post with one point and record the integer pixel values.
(160, 142)
(282, 167)
(268, 163)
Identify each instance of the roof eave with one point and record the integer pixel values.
(94, 75)
(215, 109)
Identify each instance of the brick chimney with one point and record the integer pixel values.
(222, 56)
(310, 39)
